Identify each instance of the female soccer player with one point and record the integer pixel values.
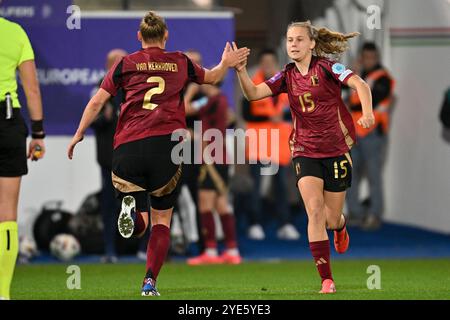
(16, 53)
(323, 131)
(212, 112)
(153, 81)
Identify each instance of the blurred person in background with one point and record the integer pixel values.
(191, 170)
(444, 115)
(105, 127)
(369, 153)
(16, 54)
(267, 114)
(212, 111)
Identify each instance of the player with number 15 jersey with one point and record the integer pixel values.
(323, 131)
(323, 127)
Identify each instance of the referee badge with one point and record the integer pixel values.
(314, 80)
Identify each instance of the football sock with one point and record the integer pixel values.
(321, 252)
(212, 252)
(9, 248)
(233, 252)
(139, 224)
(229, 230)
(158, 246)
(208, 229)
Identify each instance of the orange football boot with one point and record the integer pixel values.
(231, 259)
(341, 240)
(204, 258)
(328, 287)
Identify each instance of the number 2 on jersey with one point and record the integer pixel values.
(156, 90)
(307, 102)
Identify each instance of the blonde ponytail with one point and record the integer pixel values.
(328, 42)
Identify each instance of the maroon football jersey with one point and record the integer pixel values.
(323, 127)
(214, 115)
(153, 82)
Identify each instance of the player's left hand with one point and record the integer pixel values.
(367, 120)
(75, 140)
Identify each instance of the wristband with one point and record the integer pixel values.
(38, 135)
(37, 125)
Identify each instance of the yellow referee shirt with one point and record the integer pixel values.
(15, 48)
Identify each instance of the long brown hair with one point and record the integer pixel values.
(328, 42)
(152, 27)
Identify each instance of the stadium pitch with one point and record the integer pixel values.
(284, 280)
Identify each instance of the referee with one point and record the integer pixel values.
(16, 53)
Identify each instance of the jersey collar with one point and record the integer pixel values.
(311, 65)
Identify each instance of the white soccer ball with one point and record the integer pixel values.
(27, 247)
(65, 247)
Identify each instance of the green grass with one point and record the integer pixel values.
(400, 279)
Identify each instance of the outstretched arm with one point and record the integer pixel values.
(90, 113)
(249, 89)
(231, 57)
(362, 88)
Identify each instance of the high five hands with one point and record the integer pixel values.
(235, 57)
(240, 66)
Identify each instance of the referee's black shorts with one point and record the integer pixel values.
(146, 170)
(13, 144)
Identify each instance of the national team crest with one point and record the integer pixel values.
(314, 80)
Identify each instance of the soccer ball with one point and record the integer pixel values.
(27, 249)
(65, 247)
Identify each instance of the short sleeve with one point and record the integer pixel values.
(277, 83)
(27, 51)
(339, 71)
(195, 72)
(111, 82)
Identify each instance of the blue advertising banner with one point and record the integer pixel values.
(71, 46)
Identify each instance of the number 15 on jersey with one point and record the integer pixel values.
(307, 102)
